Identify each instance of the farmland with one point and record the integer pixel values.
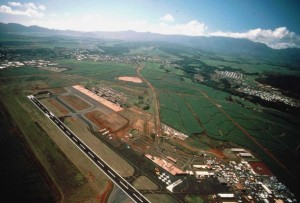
(197, 109)
(193, 99)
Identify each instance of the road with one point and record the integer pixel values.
(156, 106)
(135, 195)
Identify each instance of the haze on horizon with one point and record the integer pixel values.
(274, 23)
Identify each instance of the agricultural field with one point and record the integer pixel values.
(193, 99)
(98, 71)
(196, 109)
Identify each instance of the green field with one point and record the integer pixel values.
(197, 108)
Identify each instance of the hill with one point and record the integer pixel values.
(223, 45)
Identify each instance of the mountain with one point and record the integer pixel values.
(222, 45)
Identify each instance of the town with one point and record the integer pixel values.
(269, 95)
(129, 59)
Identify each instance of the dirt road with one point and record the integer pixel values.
(156, 107)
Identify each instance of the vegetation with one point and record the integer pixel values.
(193, 98)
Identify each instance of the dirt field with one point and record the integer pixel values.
(75, 102)
(113, 121)
(139, 125)
(130, 79)
(55, 107)
(99, 99)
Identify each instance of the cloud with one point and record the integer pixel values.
(25, 9)
(16, 4)
(167, 18)
(98, 22)
(42, 7)
(278, 38)
(192, 28)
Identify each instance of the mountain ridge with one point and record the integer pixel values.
(207, 43)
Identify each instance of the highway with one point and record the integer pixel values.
(135, 195)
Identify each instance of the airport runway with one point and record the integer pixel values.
(135, 195)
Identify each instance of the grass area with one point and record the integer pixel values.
(144, 183)
(22, 177)
(46, 151)
(18, 71)
(75, 102)
(160, 198)
(193, 199)
(55, 107)
(22, 75)
(98, 70)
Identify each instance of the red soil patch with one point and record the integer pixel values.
(260, 168)
(130, 79)
(106, 193)
(218, 153)
(139, 125)
(75, 102)
(59, 107)
(113, 121)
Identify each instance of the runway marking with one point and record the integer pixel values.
(111, 173)
(82, 146)
(68, 132)
(91, 154)
(100, 163)
(74, 139)
(137, 197)
(56, 121)
(124, 184)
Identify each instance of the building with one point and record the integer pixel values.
(237, 150)
(226, 195)
(246, 154)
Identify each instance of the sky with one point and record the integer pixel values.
(273, 22)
